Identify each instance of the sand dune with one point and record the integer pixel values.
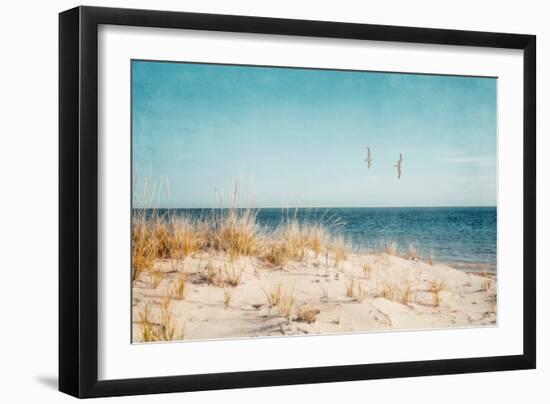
(362, 293)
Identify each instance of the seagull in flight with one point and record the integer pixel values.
(369, 158)
(398, 165)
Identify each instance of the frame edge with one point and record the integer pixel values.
(69, 81)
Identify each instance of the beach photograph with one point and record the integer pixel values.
(287, 201)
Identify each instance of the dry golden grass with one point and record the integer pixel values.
(356, 290)
(299, 237)
(186, 236)
(404, 294)
(286, 303)
(340, 247)
(180, 287)
(349, 288)
(227, 296)
(486, 285)
(295, 240)
(390, 247)
(166, 331)
(436, 287)
(232, 275)
(274, 295)
(144, 246)
(232, 230)
(165, 308)
(360, 293)
(317, 236)
(148, 333)
(282, 298)
(211, 272)
(237, 234)
(161, 233)
(156, 278)
(307, 313)
(366, 270)
(389, 291)
(407, 294)
(276, 254)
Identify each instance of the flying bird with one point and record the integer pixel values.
(398, 165)
(369, 158)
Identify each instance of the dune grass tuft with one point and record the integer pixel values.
(227, 296)
(349, 288)
(274, 295)
(366, 270)
(276, 254)
(340, 248)
(148, 333)
(144, 246)
(186, 236)
(286, 303)
(436, 287)
(307, 313)
(156, 278)
(404, 294)
(232, 275)
(390, 247)
(180, 287)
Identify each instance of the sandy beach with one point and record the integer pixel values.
(208, 295)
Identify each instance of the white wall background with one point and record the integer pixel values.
(28, 178)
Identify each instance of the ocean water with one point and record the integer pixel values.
(464, 237)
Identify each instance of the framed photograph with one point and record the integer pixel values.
(250, 201)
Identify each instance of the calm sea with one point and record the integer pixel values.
(464, 237)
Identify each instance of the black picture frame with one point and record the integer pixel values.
(78, 201)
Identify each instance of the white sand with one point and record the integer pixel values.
(467, 300)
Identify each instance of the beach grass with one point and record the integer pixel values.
(233, 231)
(436, 287)
(307, 313)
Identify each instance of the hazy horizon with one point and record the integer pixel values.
(294, 137)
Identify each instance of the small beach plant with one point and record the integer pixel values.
(366, 270)
(274, 295)
(307, 313)
(436, 287)
(233, 275)
(390, 247)
(286, 304)
(148, 333)
(156, 278)
(407, 294)
(349, 287)
(180, 287)
(227, 296)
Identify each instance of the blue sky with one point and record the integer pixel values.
(298, 137)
